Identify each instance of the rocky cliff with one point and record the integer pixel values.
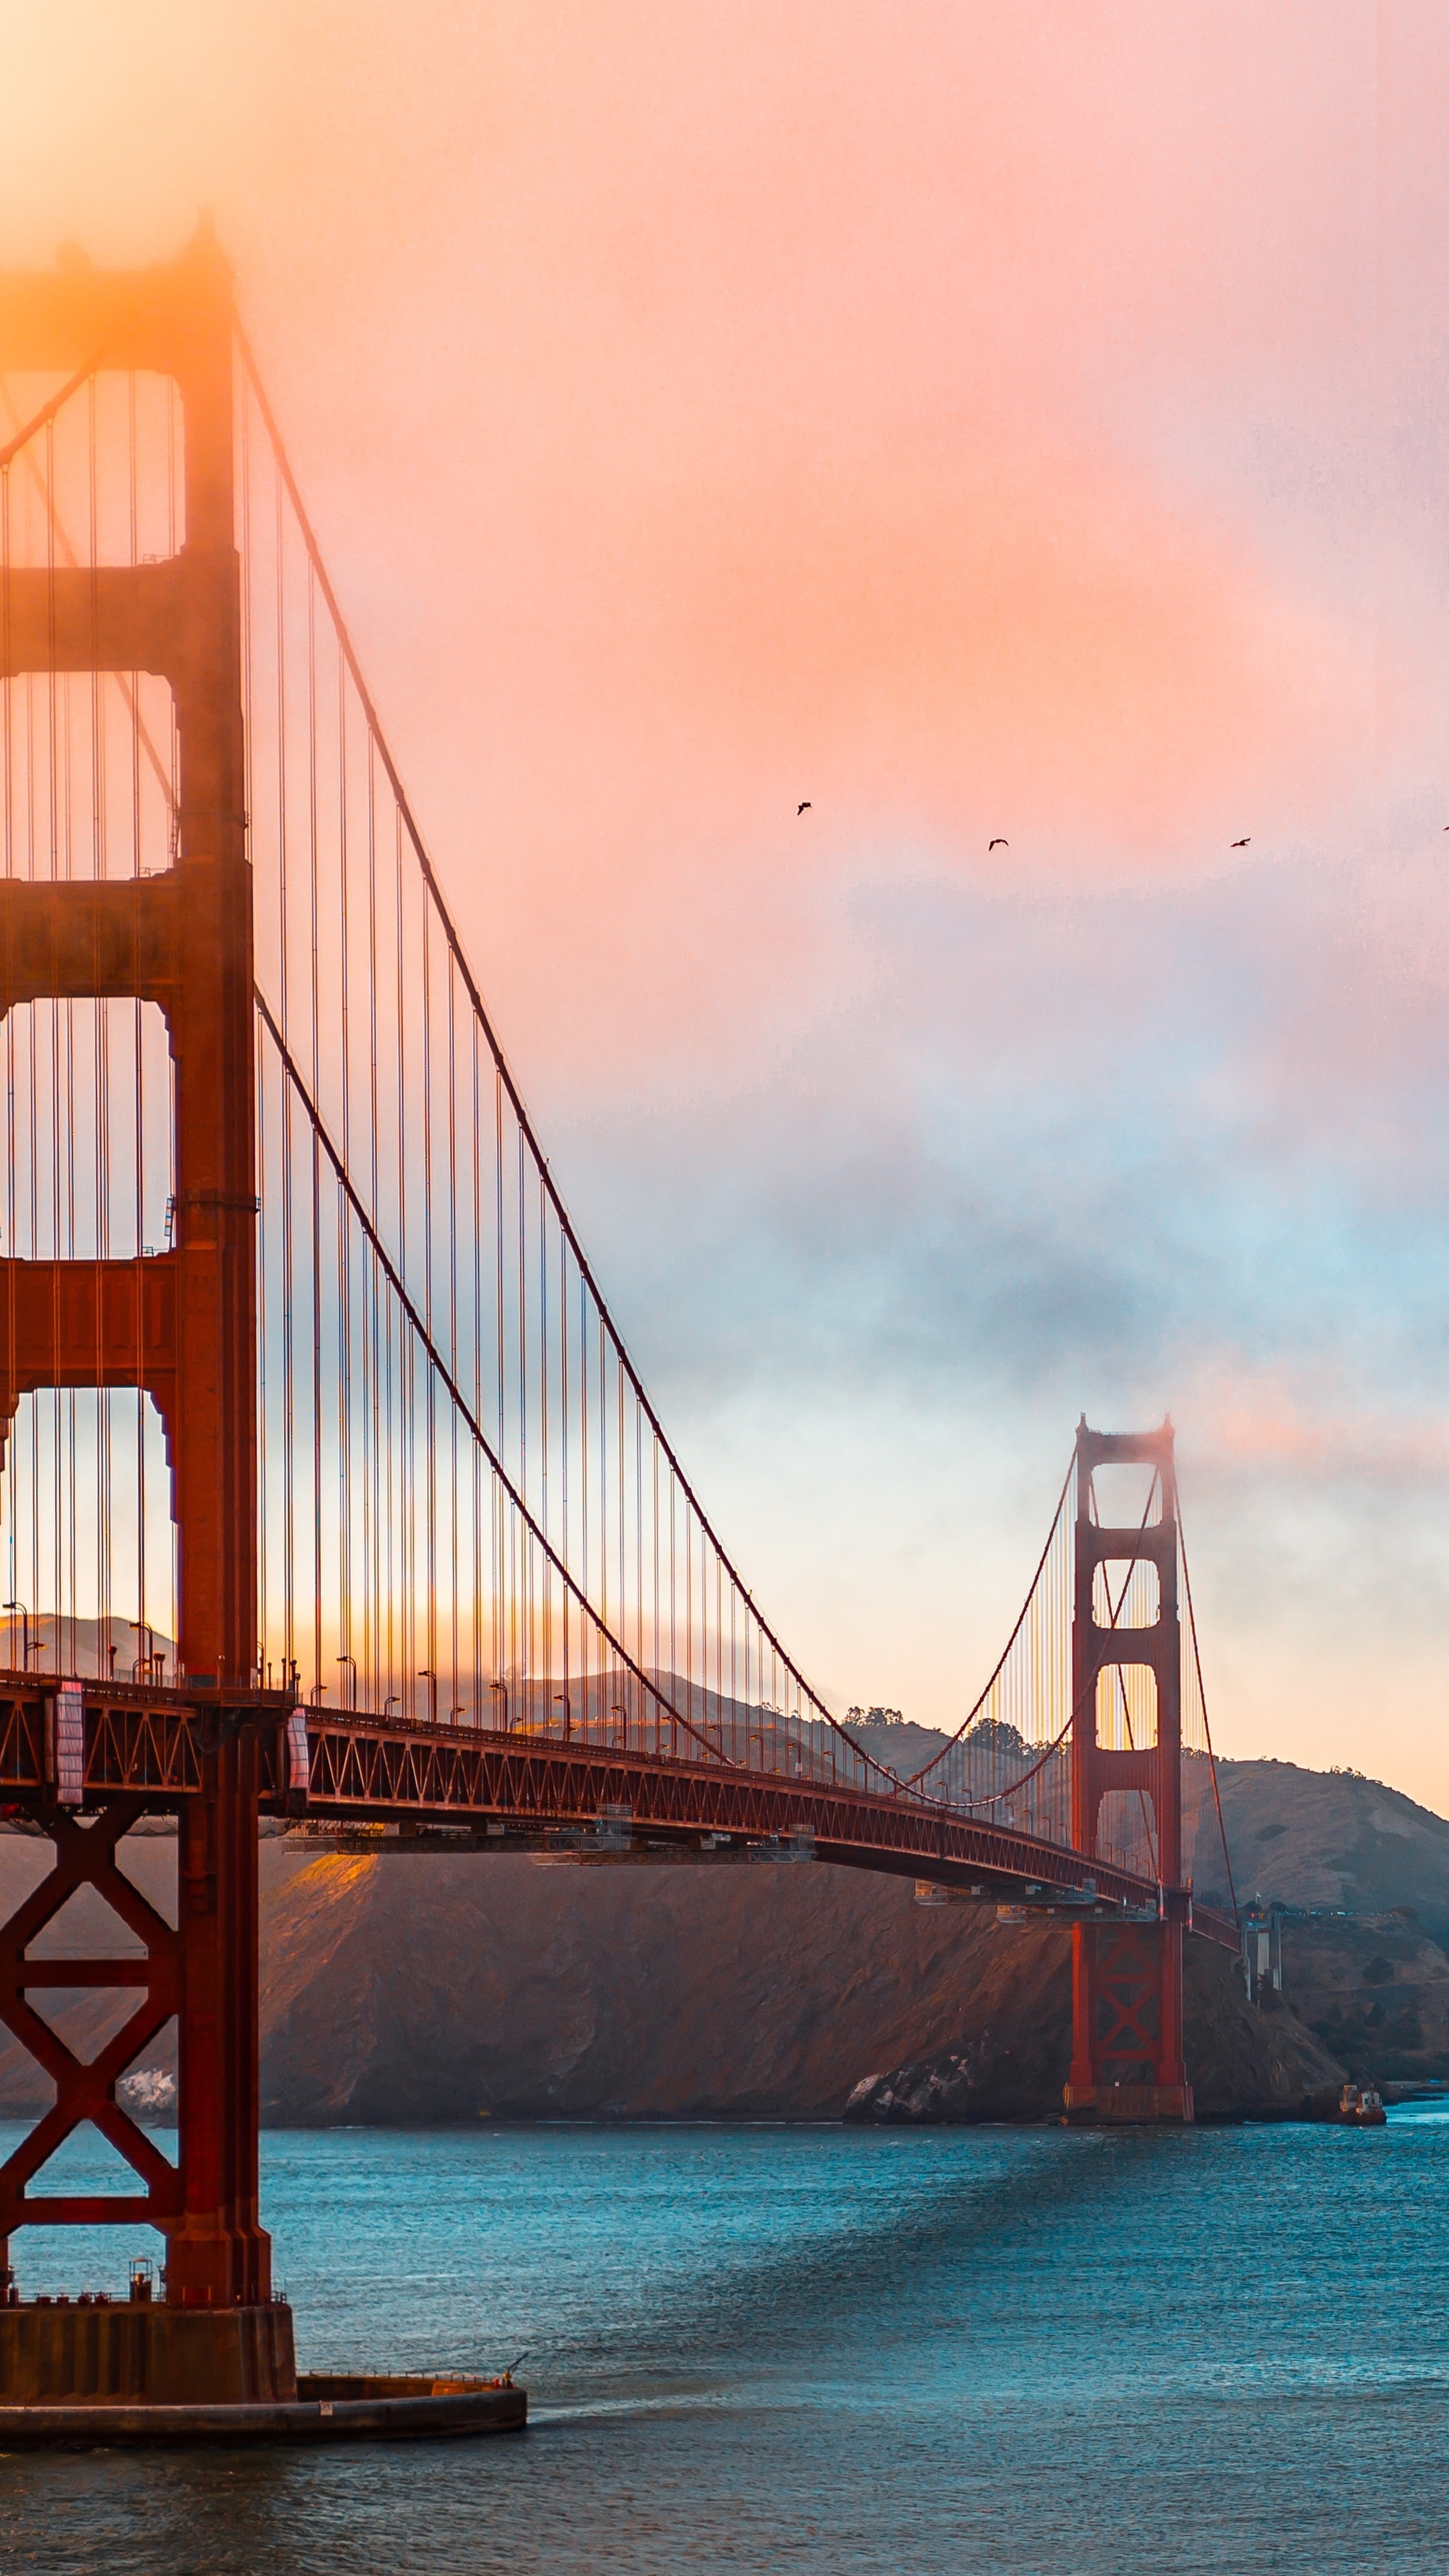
(1246, 2061)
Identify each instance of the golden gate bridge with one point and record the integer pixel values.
(304, 1367)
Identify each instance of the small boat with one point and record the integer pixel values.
(1361, 2109)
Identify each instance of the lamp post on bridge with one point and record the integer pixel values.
(24, 1631)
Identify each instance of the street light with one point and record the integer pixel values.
(25, 1622)
(568, 1713)
(352, 1660)
(427, 1674)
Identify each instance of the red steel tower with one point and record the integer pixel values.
(1127, 2060)
(180, 1324)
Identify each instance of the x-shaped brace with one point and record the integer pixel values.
(86, 1857)
(1126, 1986)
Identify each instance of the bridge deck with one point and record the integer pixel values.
(510, 1789)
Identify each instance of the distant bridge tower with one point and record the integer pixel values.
(1127, 2060)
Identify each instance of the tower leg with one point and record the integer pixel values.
(1127, 2061)
(219, 2255)
(219, 2337)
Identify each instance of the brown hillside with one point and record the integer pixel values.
(1375, 1991)
(1331, 1838)
(424, 1988)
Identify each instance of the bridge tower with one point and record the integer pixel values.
(182, 1323)
(1127, 2055)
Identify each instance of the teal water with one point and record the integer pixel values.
(832, 2352)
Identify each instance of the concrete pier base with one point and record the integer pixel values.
(1100, 2105)
(88, 2373)
(394, 2410)
(135, 2351)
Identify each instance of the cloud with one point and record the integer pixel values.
(1050, 1133)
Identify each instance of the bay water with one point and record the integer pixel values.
(834, 2352)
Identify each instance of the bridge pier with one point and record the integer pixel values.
(218, 2255)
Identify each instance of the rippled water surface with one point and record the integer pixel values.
(816, 2349)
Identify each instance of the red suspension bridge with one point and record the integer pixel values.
(304, 1367)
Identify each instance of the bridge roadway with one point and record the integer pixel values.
(457, 1788)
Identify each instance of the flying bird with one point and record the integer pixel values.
(1242, 845)
(997, 844)
(803, 807)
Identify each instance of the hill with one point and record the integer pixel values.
(1364, 1872)
(1333, 1838)
(417, 1988)
(407, 1987)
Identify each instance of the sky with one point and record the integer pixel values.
(1019, 421)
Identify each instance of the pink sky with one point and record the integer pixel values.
(1001, 419)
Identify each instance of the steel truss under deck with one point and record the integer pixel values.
(151, 1744)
